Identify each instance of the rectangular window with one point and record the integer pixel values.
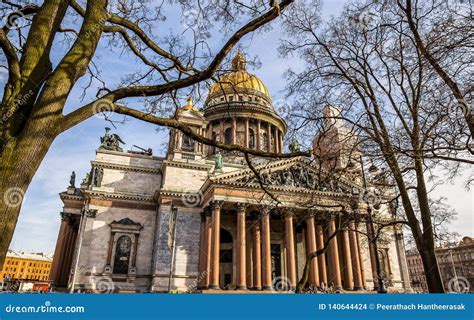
(231, 98)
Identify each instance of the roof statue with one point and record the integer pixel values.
(189, 105)
(239, 62)
(72, 180)
(218, 161)
(110, 141)
(294, 146)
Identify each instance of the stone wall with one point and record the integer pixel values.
(185, 266)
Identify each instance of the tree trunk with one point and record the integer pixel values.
(432, 274)
(423, 239)
(19, 162)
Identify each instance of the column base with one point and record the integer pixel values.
(267, 288)
(214, 287)
(241, 288)
(337, 288)
(349, 289)
(358, 288)
(257, 288)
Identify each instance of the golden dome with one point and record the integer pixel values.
(238, 79)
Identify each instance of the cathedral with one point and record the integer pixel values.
(201, 219)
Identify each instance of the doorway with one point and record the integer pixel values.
(225, 260)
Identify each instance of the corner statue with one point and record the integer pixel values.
(110, 141)
(218, 162)
(72, 180)
(294, 146)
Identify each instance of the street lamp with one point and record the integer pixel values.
(370, 199)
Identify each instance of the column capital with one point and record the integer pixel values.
(66, 216)
(320, 219)
(241, 207)
(288, 214)
(310, 213)
(330, 216)
(265, 211)
(216, 204)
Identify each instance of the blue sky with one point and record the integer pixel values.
(39, 220)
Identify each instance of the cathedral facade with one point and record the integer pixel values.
(202, 219)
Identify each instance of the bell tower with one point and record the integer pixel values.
(337, 145)
(182, 147)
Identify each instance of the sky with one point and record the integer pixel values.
(73, 150)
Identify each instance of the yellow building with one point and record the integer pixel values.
(26, 266)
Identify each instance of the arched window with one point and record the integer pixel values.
(264, 145)
(187, 144)
(228, 136)
(251, 139)
(225, 236)
(123, 249)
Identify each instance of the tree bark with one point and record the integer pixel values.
(432, 273)
(19, 162)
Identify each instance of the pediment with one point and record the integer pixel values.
(191, 114)
(297, 174)
(126, 223)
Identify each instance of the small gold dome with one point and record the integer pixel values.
(238, 78)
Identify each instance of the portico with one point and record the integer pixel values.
(268, 243)
(268, 227)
